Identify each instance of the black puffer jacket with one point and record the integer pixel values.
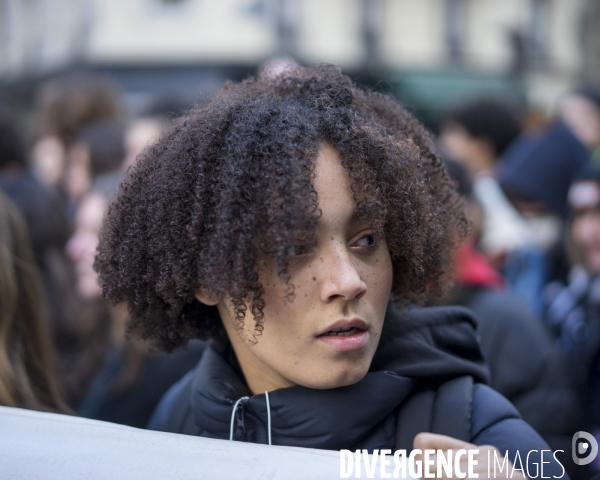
(524, 363)
(422, 345)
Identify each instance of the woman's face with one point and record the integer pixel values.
(585, 232)
(327, 336)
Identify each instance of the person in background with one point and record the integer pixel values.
(572, 309)
(48, 230)
(525, 365)
(580, 111)
(146, 128)
(140, 133)
(130, 381)
(74, 101)
(41, 209)
(28, 372)
(96, 150)
(476, 134)
(535, 174)
(67, 104)
(276, 66)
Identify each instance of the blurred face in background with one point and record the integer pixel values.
(474, 153)
(48, 160)
(77, 178)
(81, 247)
(140, 134)
(585, 233)
(582, 116)
(584, 199)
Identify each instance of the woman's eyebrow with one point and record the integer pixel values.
(355, 217)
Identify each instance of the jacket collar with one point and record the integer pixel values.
(302, 417)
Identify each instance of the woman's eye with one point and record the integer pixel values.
(367, 241)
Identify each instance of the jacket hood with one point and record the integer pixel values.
(431, 343)
(436, 343)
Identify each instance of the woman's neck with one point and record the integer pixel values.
(259, 376)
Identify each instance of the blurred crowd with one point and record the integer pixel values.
(63, 348)
(530, 271)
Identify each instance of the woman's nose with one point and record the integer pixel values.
(341, 277)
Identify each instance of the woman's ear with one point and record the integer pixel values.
(206, 298)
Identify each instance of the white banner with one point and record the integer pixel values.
(35, 445)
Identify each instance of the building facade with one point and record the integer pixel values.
(536, 43)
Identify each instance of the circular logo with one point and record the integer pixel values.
(584, 451)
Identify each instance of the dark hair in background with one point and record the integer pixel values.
(106, 144)
(28, 376)
(12, 149)
(591, 92)
(71, 102)
(460, 174)
(490, 119)
(232, 182)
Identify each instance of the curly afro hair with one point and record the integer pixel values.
(232, 182)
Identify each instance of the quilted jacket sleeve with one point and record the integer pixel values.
(495, 421)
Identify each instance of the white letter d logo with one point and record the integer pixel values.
(584, 447)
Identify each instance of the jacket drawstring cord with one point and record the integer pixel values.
(235, 406)
(268, 415)
(233, 417)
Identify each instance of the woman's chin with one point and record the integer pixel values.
(342, 378)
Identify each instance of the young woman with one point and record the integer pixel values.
(279, 220)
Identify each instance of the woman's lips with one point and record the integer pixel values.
(346, 336)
